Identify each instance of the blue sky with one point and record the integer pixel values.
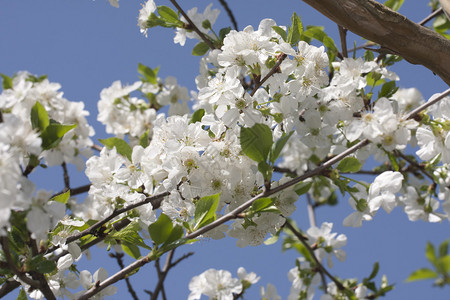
(85, 45)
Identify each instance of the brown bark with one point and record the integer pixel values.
(393, 31)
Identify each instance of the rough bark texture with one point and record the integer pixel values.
(393, 31)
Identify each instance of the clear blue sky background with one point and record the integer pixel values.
(86, 45)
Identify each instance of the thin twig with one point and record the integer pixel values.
(311, 251)
(154, 200)
(230, 13)
(272, 71)
(311, 211)
(430, 102)
(431, 16)
(162, 274)
(194, 27)
(97, 148)
(66, 177)
(116, 277)
(5, 247)
(119, 259)
(343, 36)
(414, 164)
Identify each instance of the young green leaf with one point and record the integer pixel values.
(176, 234)
(161, 230)
(278, 146)
(7, 82)
(261, 204)
(122, 147)
(388, 89)
(422, 274)
(200, 49)
(295, 31)
(302, 187)
(168, 14)
(62, 198)
(256, 141)
(205, 210)
(149, 74)
(39, 117)
(394, 4)
(22, 295)
(144, 140)
(53, 134)
(197, 115)
(131, 249)
(349, 165)
(281, 32)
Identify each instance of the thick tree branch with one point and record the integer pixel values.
(376, 22)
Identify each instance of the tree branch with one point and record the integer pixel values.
(154, 200)
(272, 71)
(376, 22)
(162, 274)
(116, 277)
(430, 102)
(194, 27)
(230, 13)
(119, 259)
(66, 177)
(311, 251)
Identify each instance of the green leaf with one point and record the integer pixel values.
(422, 274)
(260, 204)
(443, 248)
(62, 198)
(388, 89)
(376, 268)
(278, 146)
(161, 229)
(122, 147)
(131, 249)
(205, 210)
(256, 141)
(149, 74)
(302, 187)
(176, 234)
(53, 134)
(22, 295)
(197, 115)
(265, 169)
(168, 14)
(281, 32)
(223, 33)
(144, 140)
(394, 4)
(46, 266)
(374, 79)
(317, 32)
(7, 82)
(295, 31)
(349, 165)
(130, 235)
(39, 117)
(200, 49)
(430, 253)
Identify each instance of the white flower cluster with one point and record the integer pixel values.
(220, 285)
(20, 144)
(123, 114)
